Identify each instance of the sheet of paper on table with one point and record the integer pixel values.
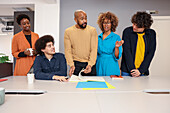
(81, 78)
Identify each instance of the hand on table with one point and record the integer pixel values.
(60, 78)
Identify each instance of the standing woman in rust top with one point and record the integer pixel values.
(23, 48)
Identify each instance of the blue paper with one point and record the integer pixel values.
(91, 85)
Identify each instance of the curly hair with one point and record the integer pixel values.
(41, 43)
(142, 20)
(20, 17)
(110, 16)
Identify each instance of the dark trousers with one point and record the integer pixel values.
(80, 65)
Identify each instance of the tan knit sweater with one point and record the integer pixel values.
(80, 45)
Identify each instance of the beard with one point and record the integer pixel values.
(83, 26)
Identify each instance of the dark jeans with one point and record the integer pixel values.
(80, 65)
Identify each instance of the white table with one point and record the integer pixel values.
(51, 103)
(140, 83)
(133, 102)
(128, 97)
(128, 84)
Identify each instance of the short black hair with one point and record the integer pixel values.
(142, 20)
(20, 17)
(41, 43)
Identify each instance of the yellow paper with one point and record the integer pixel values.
(108, 85)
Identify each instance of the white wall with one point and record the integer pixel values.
(5, 11)
(46, 20)
(160, 63)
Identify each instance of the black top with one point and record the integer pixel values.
(129, 50)
(28, 37)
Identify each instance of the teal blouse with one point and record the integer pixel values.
(107, 63)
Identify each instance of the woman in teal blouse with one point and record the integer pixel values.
(109, 46)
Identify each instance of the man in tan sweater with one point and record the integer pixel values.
(80, 42)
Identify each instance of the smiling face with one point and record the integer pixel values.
(136, 29)
(49, 49)
(25, 24)
(81, 20)
(107, 25)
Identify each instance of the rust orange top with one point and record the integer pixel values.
(19, 44)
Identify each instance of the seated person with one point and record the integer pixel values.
(49, 65)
